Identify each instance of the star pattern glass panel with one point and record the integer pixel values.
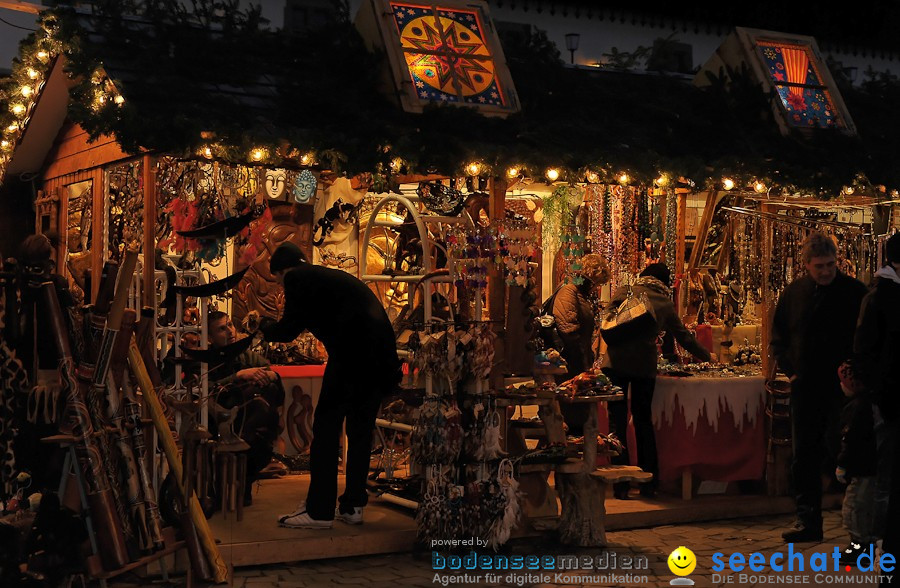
(446, 54)
(795, 72)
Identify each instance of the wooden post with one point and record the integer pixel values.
(149, 247)
(497, 287)
(98, 222)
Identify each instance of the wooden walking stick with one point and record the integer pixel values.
(208, 542)
(131, 504)
(111, 540)
(124, 413)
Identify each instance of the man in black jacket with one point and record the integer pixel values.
(812, 333)
(344, 314)
(876, 348)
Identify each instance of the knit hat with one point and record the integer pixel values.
(286, 256)
(660, 271)
(892, 248)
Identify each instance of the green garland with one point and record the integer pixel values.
(210, 82)
(560, 210)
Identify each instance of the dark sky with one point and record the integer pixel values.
(869, 23)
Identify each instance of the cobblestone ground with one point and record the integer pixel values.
(746, 536)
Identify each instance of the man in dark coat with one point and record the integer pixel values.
(812, 334)
(876, 348)
(631, 365)
(344, 314)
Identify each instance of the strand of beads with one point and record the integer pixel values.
(671, 230)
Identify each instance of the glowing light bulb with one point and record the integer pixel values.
(207, 152)
(4, 144)
(18, 109)
(623, 178)
(119, 99)
(662, 181)
(26, 91)
(848, 190)
(759, 187)
(307, 159)
(12, 128)
(592, 177)
(473, 169)
(32, 73)
(43, 55)
(257, 154)
(728, 183)
(512, 172)
(552, 174)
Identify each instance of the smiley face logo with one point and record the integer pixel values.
(682, 561)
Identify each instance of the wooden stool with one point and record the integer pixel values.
(583, 499)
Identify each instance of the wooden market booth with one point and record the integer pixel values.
(102, 189)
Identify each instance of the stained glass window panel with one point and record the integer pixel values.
(794, 70)
(446, 54)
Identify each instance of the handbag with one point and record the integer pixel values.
(631, 320)
(546, 327)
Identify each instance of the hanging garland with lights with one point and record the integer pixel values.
(283, 111)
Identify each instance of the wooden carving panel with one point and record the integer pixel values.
(258, 290)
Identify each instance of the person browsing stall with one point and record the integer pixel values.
(631, 365)
(812, 334)
(876, 351)
(573, 312)
(346, 316)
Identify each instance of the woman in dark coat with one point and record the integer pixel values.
(573, 312)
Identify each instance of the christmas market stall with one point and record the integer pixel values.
(167, 154)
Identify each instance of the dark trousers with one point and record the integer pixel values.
(815, 412)
(640, 392)
(344, 395)
(258, 422)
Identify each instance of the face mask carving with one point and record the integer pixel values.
(304, 187)
(275, 183)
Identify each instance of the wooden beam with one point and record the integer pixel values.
(497, 285)
(149, 245)
(98, 221)
(21, 6)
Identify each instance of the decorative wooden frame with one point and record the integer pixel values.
(46, 208)
(749, 39)
(376, 23)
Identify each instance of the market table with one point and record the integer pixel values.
(302, 384)
(711, 427)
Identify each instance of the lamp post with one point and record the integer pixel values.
(572, 41)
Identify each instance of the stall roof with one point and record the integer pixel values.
(174, 86)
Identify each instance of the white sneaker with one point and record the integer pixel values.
(300, 519)
(353, 518)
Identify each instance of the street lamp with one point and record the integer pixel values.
(572, 40)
